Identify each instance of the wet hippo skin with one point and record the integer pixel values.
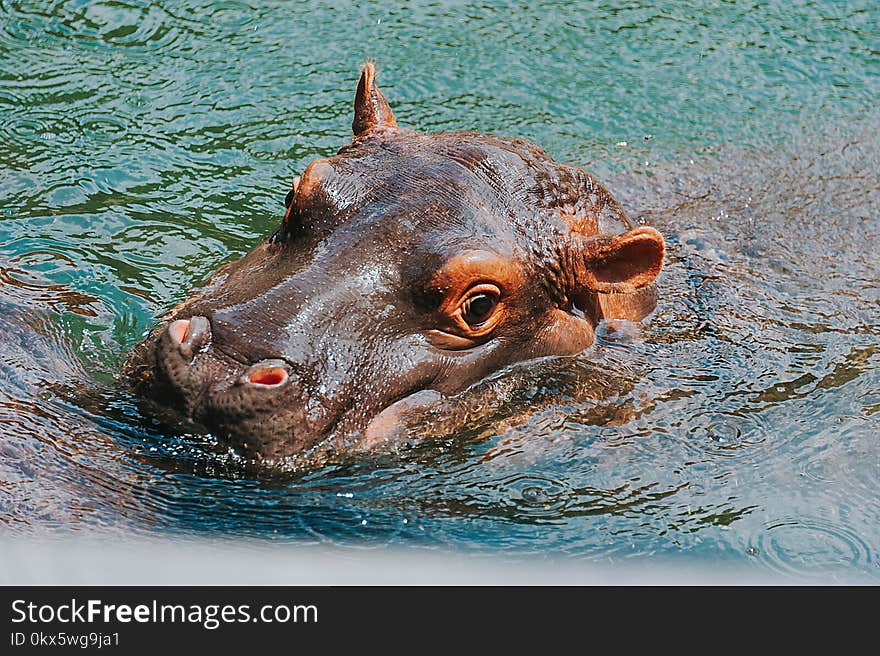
(407, 267)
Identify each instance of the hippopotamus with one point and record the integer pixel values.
(406, 268)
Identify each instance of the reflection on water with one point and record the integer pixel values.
(143, 144)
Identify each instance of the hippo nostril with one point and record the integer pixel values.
(179, 330)
(189, 335)
(268, 373)
(273, 376)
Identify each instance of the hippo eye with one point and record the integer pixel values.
(479, 306)
(471, 308)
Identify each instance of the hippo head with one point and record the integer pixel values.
(407, 267)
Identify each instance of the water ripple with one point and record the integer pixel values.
(812, 547)
(103, 23)
(726, 433)
(43, 129)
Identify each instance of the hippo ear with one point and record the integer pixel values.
(371, 110)
(618, 264)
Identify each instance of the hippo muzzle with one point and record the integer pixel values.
(407, 267)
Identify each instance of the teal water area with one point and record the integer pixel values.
(143, 144)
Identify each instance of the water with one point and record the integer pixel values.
(144, 144)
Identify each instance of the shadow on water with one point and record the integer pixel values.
(739, 424)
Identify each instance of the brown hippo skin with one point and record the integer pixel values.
(407, 267)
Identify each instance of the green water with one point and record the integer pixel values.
(142, 144)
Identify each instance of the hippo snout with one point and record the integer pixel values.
(262, 406)
(196, 369)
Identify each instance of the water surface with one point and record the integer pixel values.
(143, 144)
